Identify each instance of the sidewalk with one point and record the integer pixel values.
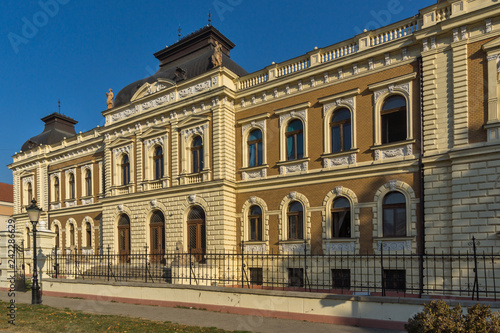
(193, 317)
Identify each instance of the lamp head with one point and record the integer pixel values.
(33, 211)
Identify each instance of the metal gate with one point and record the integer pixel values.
(19, 272)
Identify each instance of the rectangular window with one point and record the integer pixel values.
(255, 229)
(256, 277)
(295, 227)
(296, 277)
(341, 279)
(395, 279)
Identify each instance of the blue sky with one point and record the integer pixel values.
(76, 50)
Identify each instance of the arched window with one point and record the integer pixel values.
(71, 186)
(393, 119)
(57, 235)
(72, 234)
(394, 215)
(124, 238)
(56, 189)
(157, 234)
(158, 163)
(197, 232)
(197, 154)
(294, 140)
(340, 127)
(341, 218)
(255, 148)
(88, 233)
(295, 221)
(88, 183)
(125, 170)
(255, 223)
(30, 192)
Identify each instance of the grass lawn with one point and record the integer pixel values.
(42, 318)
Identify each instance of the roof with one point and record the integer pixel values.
(188, 58)
(57, 127)
(6, 192)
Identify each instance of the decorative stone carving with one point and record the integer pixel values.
(300, 85)
(276, 93)
(425, 45)
(387, 59)
(295, 114)
(242, 102)
(192, 198)
(405, 53)
(87, 201)
(489, 27)
(293, 247)
(299, 167)
(202, 106)
(292, 195)
(55, 206)
(340, 247)
(71, 203)
(125, 149)
(455, 35)
(463, 31)
(370, 64)
(247, 175)
(120, 207)
(326, 78)
(391, 88)
(123, 114)
(287, 89)
(339, 161)
(215, 81)
(313, 82)
(395, 245)
(255, 248)
(433, 43)
(355, 69)
(253, 200)
(341, 74)
(195, 130)
(153, 203)
(346, 101)
(195, 89)
(260, 124)
(338, 190)
(264, 96)
(72, 170)
(392, 184)
(217, 55)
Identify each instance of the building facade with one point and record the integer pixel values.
(6, 204)
(387, 141)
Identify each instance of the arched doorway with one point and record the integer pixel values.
(157, 235)
(196, 233)
(124, 238)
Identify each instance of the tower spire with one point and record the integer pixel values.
(59, 103)
(209, 17)
(179, 32)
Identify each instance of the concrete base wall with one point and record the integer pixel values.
(378, 312)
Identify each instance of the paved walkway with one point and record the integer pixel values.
(193, 317)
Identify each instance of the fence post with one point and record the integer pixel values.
(382, 267)
(146, 264)
(242, 265)
(190, 267)
(109, 264)
(56, 266)
(476, 280)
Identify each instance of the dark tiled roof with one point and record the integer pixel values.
(57, 127)
(6, 192)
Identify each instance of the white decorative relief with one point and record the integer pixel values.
(405, 87)
(276, 93)
(355, 69)
(71, 203)
(489, 27)
(195, 89)
(126, 149)
(370, 64)
(215, 81)
(387, 59)
(264, 96)
(247, 175)
(54, 175)
(192, 198)
(433, 43)
(55, 206)
(313, 82)
(287, 89)
(405, 53)
(326, 78)
(340, 247)
(123, 114)
(120, 207)
(157, 102)
(293, 247)
(382, 154)
(425, 45)
(463, 31)
(341, 74)
(346, 101)
(293, 114)
(260, 124)
(394, 245)
(242, 102)
(72, 170)
(88, 201)
(338, 190)
(299, 167)
(153, 203)
(393, 184)
(255, 248)
(299, 85)
(331, 162)
(195, 130)
(455, 35)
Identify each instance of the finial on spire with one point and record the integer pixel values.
(179, 32)
(209, 17)
(59, 103)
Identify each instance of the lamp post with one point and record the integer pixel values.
(34, 215)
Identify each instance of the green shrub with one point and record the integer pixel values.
(437, 317)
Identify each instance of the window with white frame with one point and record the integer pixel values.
(195, 150)
(253, 132)
(293, 132)
(88, 182)
(393, 109)
(255, 230)
(340, 130)
(341, 218)
(294, 136)
(56, 189)
(295, 221)
(158, 163)
(394, 215)
(254, 144)
(125, 170)
(71, 186)
(197, 156)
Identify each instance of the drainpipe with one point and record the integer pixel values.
(421, 169)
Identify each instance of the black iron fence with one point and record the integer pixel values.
(472, 274)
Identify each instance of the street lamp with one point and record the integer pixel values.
(34, 215)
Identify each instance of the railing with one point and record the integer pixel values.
(468, 274)
(193, 179)
(331, 53)
(156, 185)
(443, 13)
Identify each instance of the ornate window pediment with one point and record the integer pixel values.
(151, 88)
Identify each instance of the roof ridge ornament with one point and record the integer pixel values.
(209, 17)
